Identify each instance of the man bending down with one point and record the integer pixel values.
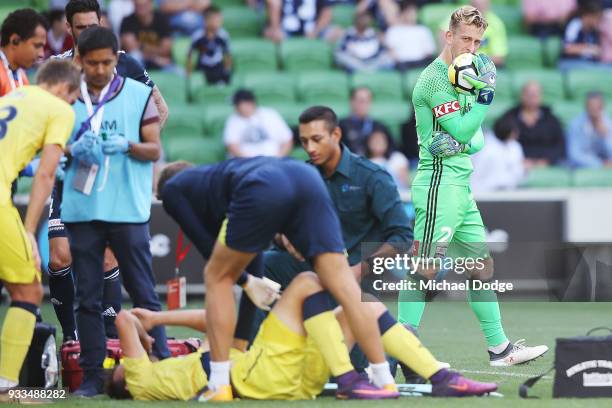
(300, 344)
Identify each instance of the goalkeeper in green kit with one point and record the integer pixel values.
(448, 222)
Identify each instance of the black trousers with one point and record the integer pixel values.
(130, 244)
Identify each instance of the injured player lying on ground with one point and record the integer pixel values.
(301, 344)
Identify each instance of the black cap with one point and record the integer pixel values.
(243, 95)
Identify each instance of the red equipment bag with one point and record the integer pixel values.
(72, 373)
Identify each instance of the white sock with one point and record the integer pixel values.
(500, 347)
(219, 374)
(381, 374)
(6, 384)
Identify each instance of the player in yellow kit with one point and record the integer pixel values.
(302, 342)
(31, 118)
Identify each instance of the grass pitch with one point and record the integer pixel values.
(452, 333)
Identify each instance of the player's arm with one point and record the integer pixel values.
(129, 336)
(162, 106)
(149, 149)
(477, 143)
(462, 128)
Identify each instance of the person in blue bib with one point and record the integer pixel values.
(107, 194)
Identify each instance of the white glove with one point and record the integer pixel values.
(262, 291)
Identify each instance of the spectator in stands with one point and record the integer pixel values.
(146, 36)
(361, 49)
(212, 46)
(386, 12)
(589, 138)
(500, 164)
(547, 17)
(255, 131)
(540, 132)
(421, 47)
(293, 18)
(380, 149)
(410, 143)
(359, 125)
(185, 16)
(58, 39)
(582, 39)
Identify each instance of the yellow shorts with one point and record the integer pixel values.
(16, 262)
(280, 364)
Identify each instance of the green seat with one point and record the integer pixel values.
(503, 88)
(185, 120)
(433, 15)
(512, 17)
(392, 115)
(552, 51)
(593, 177)
(566, 111)
(253, 55)
(242, 22)
(180, 48)
(497, 109)
(548, 177)
(214, 119)
(551, 82)
(24, 185)
(206, 94)
(327, 85)
(195, 150)
(300, 54)
(343, 15)
(224, 4)
(290, 112)
(385, 86)
(299, 153)
(581, 82)
(410, 79)
(524, 53)
(271, 87)
(172, 86)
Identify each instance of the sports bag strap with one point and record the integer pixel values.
(524, 388)
(597, 329)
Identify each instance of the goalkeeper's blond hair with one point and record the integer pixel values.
(467, 15)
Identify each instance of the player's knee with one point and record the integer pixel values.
(29, 293)
(110, 261)
(122, 318)
(483, 271)
(59, 257)
(307, 283)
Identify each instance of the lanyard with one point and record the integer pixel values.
(9, 72)
(181, 251)
(95, 116)
(86, 125)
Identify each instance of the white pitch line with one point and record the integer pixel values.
(505, 374)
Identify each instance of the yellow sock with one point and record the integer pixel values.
(327, 335)
(401, 344)
(17, 332)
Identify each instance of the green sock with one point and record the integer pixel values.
(410, 307)
(485, 307)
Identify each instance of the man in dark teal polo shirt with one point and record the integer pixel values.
(364, 194)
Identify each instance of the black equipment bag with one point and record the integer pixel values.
(40, 368)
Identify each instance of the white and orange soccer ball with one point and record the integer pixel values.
(464, 63)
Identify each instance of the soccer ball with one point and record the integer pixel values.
(462, 64)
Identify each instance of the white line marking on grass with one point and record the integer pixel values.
(505, 374)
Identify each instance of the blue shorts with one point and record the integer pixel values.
(56, 227)
(286, 197)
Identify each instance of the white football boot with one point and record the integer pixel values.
(516, 353)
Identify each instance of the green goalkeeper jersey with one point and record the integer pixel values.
(438, 107)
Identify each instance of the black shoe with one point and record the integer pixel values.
(92, 385)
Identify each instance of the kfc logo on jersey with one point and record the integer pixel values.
(446, 108)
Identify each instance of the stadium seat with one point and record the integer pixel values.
(503, 89)
(410, 79)
(548, 177)
(220, 94)
(172, 86)
(385, 86)
(271, 87)
(180, 48)
(185, 120)
(551, 82)
(253, 55)
(327, 85)
(593, 177)
(566, 111)
(580, 82)
(524, 52)
(343, 15)
(214, 119)
(230, 3)
(552, 51)
(24, 185)
(300, 54)
(195, 150)
(497, 110)
(290, 112)
(242, 22)
(512, 17)
(433, 15)
(392, 115)
(299, 153)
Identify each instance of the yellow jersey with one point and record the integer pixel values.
(30, 117)
(178, 378)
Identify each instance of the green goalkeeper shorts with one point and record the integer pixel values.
(448, 223)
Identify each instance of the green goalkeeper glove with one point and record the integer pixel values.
(443, 145)
(485, 81)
